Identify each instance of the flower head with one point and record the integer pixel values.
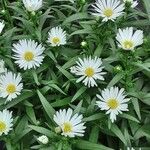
(113, 101)
(5, 122)
(57, 36)
(1, 26)
(28, 54)
(128, 39)
(89, 69)
(131, 2)
(32, 5)
(2, 67)
(43, 139)
(108, 9)
(70, 125)
(10, 85)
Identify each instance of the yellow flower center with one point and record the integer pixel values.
(56, 40)
(2, 126)
(108, 12)
(11, 88)
(89, 72)
(112, 103)
(67, 127)
(128, 44)
(28, 56)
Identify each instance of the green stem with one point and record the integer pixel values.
(128, 69)
(7, 14)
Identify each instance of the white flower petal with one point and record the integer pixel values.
(113, 101)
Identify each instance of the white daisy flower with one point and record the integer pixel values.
(89, 69)
(5, 122)
(1, 26)
(28, 54)
(131, 2)
(32, 5)
(2, 67)
(57, 36)
(128, 39)
(43, 139)
(113, 101)
(70, 124)
(108, 9)
(10, 85)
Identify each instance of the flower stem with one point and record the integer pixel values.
(7, 14)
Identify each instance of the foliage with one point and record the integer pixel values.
(52, 87)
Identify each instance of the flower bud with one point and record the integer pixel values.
(43, 139)
(58, 130)
(117, 69)
(83, 43)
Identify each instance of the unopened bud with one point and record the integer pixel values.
(58, 130)
(43, 139)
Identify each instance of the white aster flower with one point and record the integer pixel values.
(70, 124)
(131, 2)
(43, 139)
(1, 26)
(2, 67)
(5, 122)
(57, 36)
(10, 85)
(28, 54)
(128, 39)
(32, 5)
(108, 9)
(89, 69)
(113, 101)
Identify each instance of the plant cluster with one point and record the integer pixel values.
(74, 75)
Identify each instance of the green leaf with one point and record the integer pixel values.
(31, 114)
(94, 117)
(94, 134)
(143, 131)
(136, 107)
(129, 117)
(75, 17)
(8, 145)
(147, 6)
(65, 73)
(78, 108)
(43, 131)
(98, 50)
(62, 102)
(115, 79)
(70, 63)
(118, 133)
(47, 107)
(144, 66)
(81, 144)
(24, 96)
(142, 22)
(51, 55)
(21, 125)
(83, 31)
(78, 93)
(57, 88)
(35, 76)
(21, 135)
